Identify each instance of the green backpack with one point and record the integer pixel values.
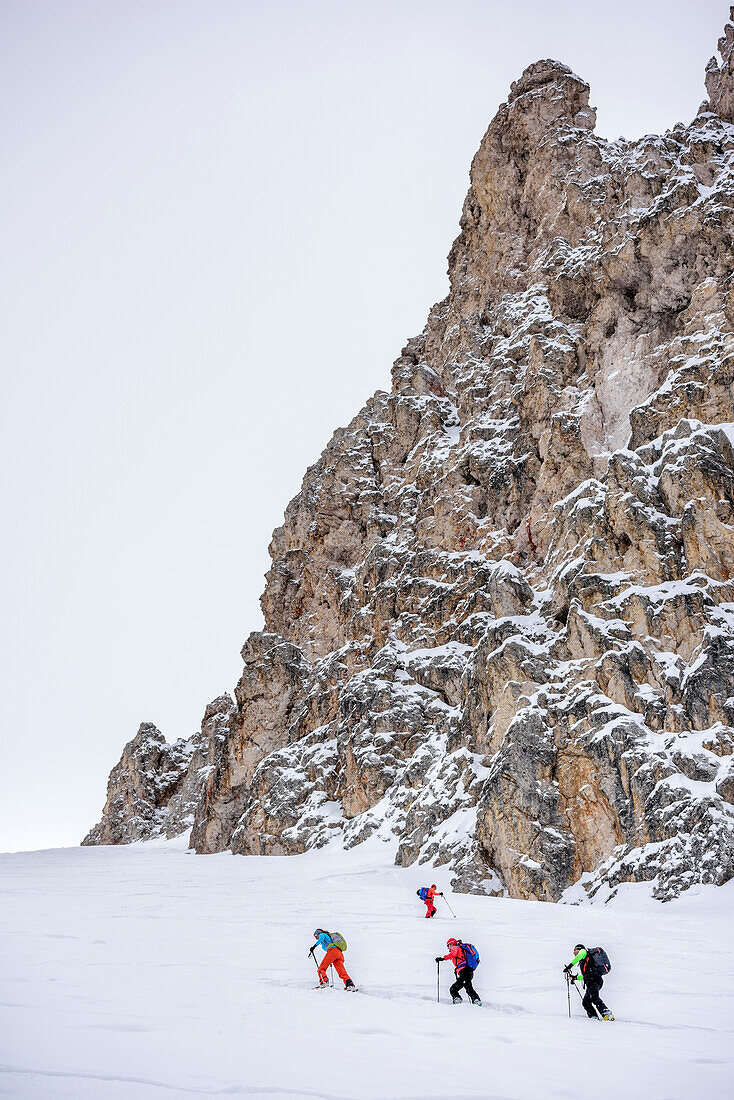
(338, 940)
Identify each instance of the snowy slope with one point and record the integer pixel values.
(148, 971)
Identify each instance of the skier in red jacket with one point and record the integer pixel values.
(430, 894)
(464, 972)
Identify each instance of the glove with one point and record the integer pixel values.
(567, 969)
(440, 893)
(439, 959)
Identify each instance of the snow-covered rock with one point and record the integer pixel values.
(500, 611)
(154, 789)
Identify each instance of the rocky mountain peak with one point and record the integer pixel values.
(153, 790)
(500, 611)
(720, 78)
(550, 93)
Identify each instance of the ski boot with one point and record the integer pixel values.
(477, 1001)
(457, 1001)
(607, 1016)
(350, 986)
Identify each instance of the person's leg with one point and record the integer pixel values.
(596, 999)
(467, 974)
(589, 997)
(339, 966)
(326, 963)
(463, 981)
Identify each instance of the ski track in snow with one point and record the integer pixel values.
(147, 971)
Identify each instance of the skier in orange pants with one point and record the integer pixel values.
(333, 955)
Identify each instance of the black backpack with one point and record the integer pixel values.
(597, 961)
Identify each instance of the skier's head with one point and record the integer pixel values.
(452, 942)
(318, 932)
(433, 885)
(579, 947)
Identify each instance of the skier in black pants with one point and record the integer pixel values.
(464, 972)
(593, 981)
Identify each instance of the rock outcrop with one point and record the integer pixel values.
(154, 789)
(500, 612)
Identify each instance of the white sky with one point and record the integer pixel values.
(220, 222)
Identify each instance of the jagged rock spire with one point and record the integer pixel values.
(720, 78)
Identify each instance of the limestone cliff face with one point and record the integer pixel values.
(500, 612)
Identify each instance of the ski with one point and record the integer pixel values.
(351, 989)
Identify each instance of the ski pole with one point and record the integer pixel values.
(438, 983)
(568, 991)
(315, 963)
(453, 914)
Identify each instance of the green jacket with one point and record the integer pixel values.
(576, 961)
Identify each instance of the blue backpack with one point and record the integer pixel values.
(422, 893)
(472, 955)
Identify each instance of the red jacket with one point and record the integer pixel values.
(431, 894)
(457, 956)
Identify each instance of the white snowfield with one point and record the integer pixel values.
(148, 971)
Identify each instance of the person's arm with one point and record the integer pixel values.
(575, 961)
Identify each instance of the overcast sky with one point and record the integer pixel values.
(220, 222)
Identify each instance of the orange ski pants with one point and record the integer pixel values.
(335, 956)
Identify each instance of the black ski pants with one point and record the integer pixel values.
(591, 997)
(463, 981)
